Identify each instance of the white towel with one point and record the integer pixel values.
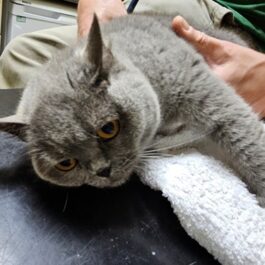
(213, 205)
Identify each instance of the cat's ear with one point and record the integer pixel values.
(94, 48)
(97, 54)
(14, 125)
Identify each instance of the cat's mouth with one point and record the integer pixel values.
(116, 178)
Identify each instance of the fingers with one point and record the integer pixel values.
(85, 11)
(258, 107)
(197, 38)
(205, 44)
(109, 9)
(241, 67)
(105, 10)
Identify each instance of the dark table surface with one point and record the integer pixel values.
(41, 224)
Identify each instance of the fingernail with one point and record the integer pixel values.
(184, 24)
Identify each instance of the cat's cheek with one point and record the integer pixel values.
(49, 174)
(39, 168)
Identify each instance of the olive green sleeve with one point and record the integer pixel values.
(250, 14)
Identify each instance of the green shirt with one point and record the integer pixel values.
(250, 14)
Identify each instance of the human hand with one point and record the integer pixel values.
(104, 9)
(241, 67)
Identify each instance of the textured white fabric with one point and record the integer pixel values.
(213, 205)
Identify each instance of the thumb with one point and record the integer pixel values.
(203, 43)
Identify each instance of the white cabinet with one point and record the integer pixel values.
(31, 15)
(0, 17)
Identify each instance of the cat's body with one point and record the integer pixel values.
(148, 80)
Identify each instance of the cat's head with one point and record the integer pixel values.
(78, 133)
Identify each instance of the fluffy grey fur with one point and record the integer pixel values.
(135, 69)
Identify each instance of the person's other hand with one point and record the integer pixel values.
(104, 9)
(242, 68)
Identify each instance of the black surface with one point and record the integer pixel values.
(42, 224)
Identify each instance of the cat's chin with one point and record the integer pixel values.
(95, 181)
(108, 183)
(100, 183)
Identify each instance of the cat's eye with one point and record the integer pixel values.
(109, 130)
(66, 165)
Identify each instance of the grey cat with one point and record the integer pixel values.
(99, 109)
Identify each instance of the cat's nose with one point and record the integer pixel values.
(104, 172)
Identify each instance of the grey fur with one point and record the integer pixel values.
(155, 83)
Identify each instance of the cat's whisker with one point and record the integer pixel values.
(66, 201)
(137, 167)
(163, 148)
(198, 137)
(93, 136)
(46, 171)
(126, 161)
(153, 152)
(157, 156)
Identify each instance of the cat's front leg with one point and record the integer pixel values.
(211, 104)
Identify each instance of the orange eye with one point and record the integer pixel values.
(109, 130)
(66, 165)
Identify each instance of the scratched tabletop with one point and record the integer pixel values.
(41, 224)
